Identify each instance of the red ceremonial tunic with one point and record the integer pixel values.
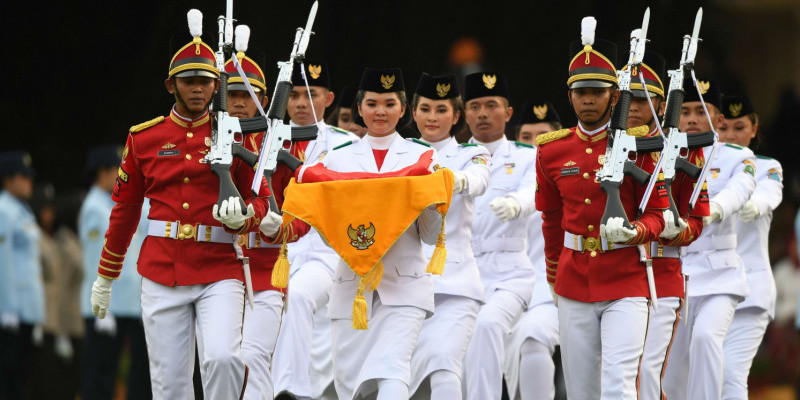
(262, 259)
(570, 199)
(163, 160)
(667, 270)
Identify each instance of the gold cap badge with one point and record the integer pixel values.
(540, 111)
(704, 86)
(489, 81)
(314, 70)
(387, 81)
(442, 89)
(736, 109)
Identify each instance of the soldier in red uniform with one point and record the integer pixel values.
(665, 251)
(261, 323)
(191, 276)
(601, 286)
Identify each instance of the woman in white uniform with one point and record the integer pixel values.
(436, 363)
(535, 335)
(715, 273)
(758, 309)
(379, 358)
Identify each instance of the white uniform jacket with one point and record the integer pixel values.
(753, 236)
(311, 247)
(461, 277)
(711, 261)
(513, 173)
(404, 282)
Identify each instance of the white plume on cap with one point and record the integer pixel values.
(242, 37)
(195, 18)
(587, 30)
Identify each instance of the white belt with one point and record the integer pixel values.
(254, 242)
(721, 242)
(486, 245)
(580, 243)
(196, 232)
(658, 250)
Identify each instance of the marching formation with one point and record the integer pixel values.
(339, 260)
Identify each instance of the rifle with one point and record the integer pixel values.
(622, 149)
(279, 135)
(677, 143)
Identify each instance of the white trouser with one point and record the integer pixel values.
(308, 292)
(601, 346)
(695, 366)
(483, 364)
(258, 342)
(443, 341)
(660, 334)
(364, 358)
(537, 332)
(169, 315)
(741, 343)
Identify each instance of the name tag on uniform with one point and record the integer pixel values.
(570, 171)
(163, 153)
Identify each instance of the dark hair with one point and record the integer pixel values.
(333, 117)
(758, 139)
(458, 106)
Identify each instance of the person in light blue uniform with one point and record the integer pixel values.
(105, 338)
(22, 308)
(753, 314)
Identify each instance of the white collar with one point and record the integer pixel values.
(592, 133)
(381, 142)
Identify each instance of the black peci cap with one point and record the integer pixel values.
(482, 84)
(736, 105)
(346, 97)
(16, 162)
(710, 90)
(382, 80)
(538, 111)
(317, 74)
(437, 87)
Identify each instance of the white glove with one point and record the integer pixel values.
(615, 231)
(271, 224)
(554, 294)
(749, 212)
(230, 213)
(715, 213)
(670, 230)
(106, 326)
(505, 208)
(9, 320)
(459, 181)
(63, 347)
(37, 335)
(101, 296)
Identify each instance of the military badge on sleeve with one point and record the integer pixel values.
(775, 174)
(750, 167)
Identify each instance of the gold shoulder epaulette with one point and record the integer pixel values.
(639, 131)
(551, 136)
(145, 125)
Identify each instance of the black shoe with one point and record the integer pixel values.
(285, 395)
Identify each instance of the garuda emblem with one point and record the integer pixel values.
(489, 81)
(314, 70)
(735, 109)
(442, 89)
(361, 238)
(704, 86)
(540, 111)
(387, 81)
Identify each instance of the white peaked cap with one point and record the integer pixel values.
(195, 18)
(588, 24)
(242, 37)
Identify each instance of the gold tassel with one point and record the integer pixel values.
(360, 313)
(588, 50)
(375, 275)
(439, 256)
(280, 272)
(197, 40)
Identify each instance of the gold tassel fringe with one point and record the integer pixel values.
(375, 275)
(436, 264)
(360, 313)
(280, 272)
